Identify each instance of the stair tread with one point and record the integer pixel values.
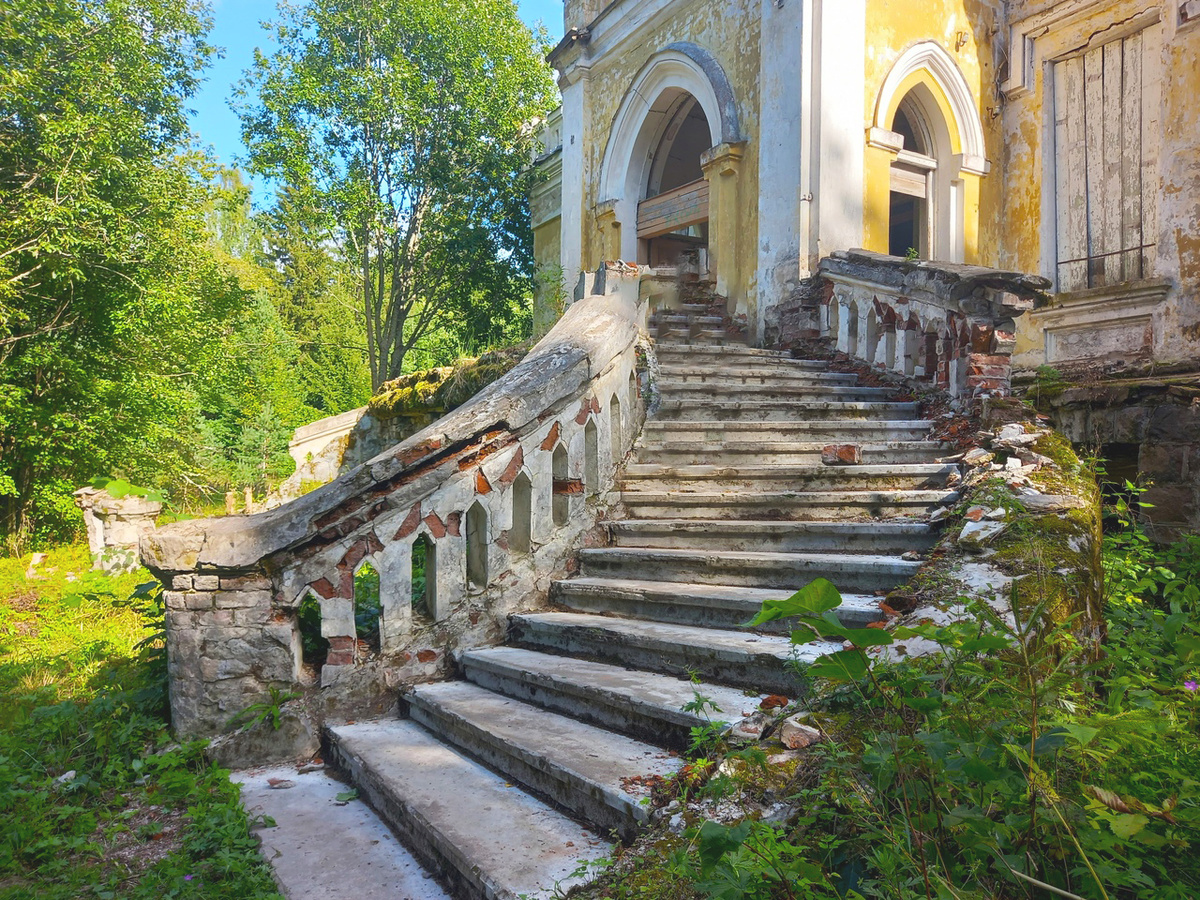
(770, 525)
(725, 641)
(665, 695)
(708, 592)
(500, 837)
(701, 470)
(602, 759)
(863, 560)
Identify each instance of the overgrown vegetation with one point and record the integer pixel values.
(97, 800)
(1015, 763)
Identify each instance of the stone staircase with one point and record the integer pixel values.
(725, 503)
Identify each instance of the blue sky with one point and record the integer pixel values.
(236, 29)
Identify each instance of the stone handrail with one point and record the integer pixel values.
(948, 324)
(497, 492)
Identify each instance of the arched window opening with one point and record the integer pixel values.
(367, 610)
(561, 504)
(872, 337)
(313, 647)
(633, 397)
(673, 217)
(912, 347)
(520, 539)
(834, 320)
(424, 579)
(616, 434)
(477, 546)
(922, 194)
(591, 458)
(852, 329)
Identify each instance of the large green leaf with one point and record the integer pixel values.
(814, 598)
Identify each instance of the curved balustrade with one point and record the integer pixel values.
(463, 523)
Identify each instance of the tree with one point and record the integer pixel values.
(404, 123)
(108, 292)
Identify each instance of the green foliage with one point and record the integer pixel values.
(399, 129)
(87, 767)
(268, 711)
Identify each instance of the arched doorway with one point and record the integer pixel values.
(919, 213)
(674, 204)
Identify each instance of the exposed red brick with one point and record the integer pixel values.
(324, 588)
(473, 618)
(426, 656)
(981, 339)
(841, 455)
(596, 405)
(328, 519)
(435, 525)
(514, 467)
(482, 485)
(342, 642)
(552, 437)
(339, 658)
(346, 585)
(411, 521)
(568, 486)
(980, 359)
(454, 524)
(585, 410)
(419, 451)
(502, 540)
(991, 371)
(353, 556)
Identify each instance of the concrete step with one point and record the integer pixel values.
(667, 350)
(762, 376)
(579, 766)
(787, 572)
(482, 835)
(734, 453)
(644, 705)
(723, 606)
(779, 478)
(739, 535)
(791, 505)
(798, 428)
(699, 409)
(756, 661)
(735, 392)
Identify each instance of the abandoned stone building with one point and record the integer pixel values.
(795, 256)
(1060, 139)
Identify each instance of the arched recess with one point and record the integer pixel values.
(927, 144)
(675, 77)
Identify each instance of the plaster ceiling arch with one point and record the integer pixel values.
(679, 68)
(934, 61)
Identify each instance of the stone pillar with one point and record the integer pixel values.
(225, 648)
(720, 166)
(574, 67)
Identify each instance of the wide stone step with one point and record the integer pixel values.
(737, 535)
(784, 571)
(794, 505)
(735, 453)
(777, 478)
(667, 351)
(579, 766)
(644, 705)
(471, 826)
(784, 373)
(734, 392)
(706, 605)
(828, 431)
(756, 661)
(713, 410)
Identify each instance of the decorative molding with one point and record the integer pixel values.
(937, 61)
(1101, 321)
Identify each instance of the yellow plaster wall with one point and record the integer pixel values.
(730, 32)
(893, 27)
(548, 289)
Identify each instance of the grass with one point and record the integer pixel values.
(97, 799)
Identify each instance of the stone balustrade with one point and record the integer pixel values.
(950, 325)
(492, 500)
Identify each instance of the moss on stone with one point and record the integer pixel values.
(442, 389)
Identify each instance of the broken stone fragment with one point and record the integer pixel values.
(911, 555)
(750, 728)
(977, 456)
(975, 513)
(938, 514)
(996, 514)
(795, 735)
(1038, 502)
(842, 455)
(976, 535)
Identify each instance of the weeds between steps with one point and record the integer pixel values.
(1016, 762)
